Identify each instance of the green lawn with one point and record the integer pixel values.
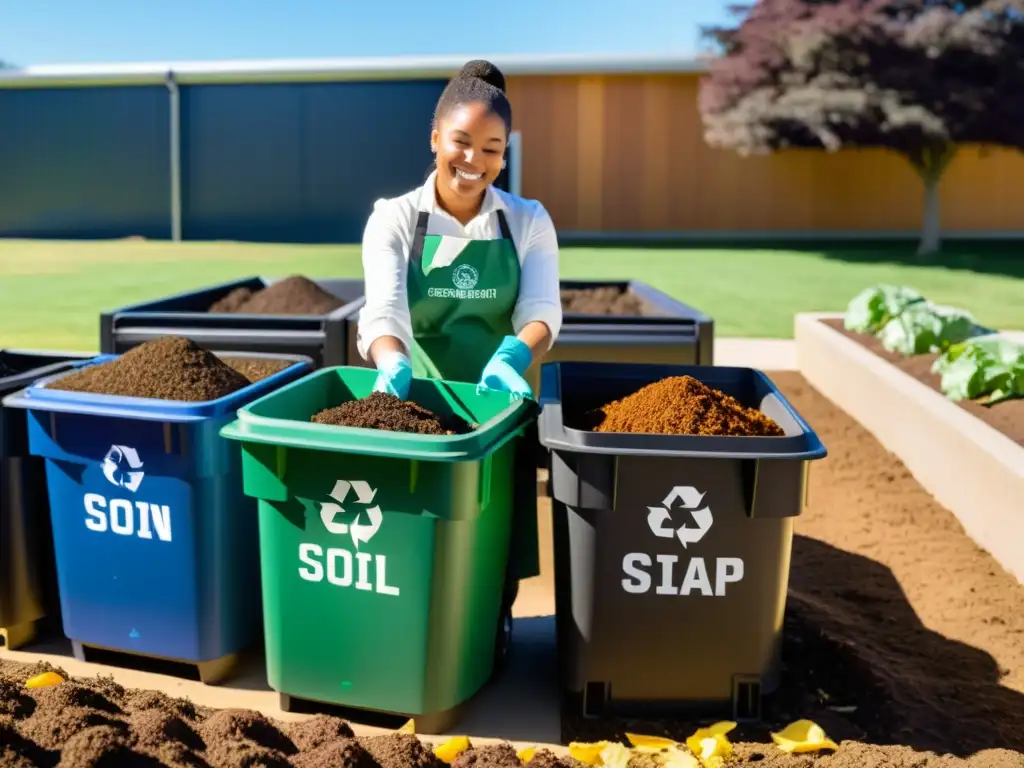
(52, 291)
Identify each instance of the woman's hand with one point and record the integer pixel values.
(394, 371)
(504, 371)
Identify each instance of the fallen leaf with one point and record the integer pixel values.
(451, 749)
(675, 757)
(588, 753)
(616, 755)
(526, 755)
(711, 742)
(44, 680)
(803, 736)
(650, 743)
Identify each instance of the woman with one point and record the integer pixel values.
(467, 273)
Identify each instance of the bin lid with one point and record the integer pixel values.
(283, 418)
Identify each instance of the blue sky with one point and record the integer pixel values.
(91, 31)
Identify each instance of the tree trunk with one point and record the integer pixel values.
(931, 162)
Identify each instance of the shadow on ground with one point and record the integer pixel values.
(994, 258)
(858, 661)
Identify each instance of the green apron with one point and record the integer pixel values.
(462, 293)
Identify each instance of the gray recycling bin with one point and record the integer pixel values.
(671, 552)
(28, 578)
(328, 340)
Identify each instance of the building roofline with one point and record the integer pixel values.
(335, 69)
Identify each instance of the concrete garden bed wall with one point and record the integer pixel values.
(974, 469)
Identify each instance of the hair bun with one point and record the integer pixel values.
(484, 70)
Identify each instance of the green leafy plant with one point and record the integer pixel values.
(924, 327)
(988, 368)
(872, 308)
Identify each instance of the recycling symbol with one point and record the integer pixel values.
(123, 467)
(683, 497)
(364, 496)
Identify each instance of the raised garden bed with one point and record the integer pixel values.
(971, 458)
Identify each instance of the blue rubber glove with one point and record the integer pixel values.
(504, 371)
(394, 375)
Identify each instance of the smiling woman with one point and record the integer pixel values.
(466, 274)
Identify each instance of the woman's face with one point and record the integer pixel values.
(470, 145)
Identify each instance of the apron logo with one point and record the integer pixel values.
(465, 277)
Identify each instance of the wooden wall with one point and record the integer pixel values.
(627, 154)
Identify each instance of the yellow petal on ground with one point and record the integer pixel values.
(803, 736)
(616, 755)
(588, 753)
(44, 680)
(409, 727)
(449, 750)
(675, 757)
(717, 732)
(526, 755)
(650, 743)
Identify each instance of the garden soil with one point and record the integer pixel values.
(381, 410)
(1006, 417)
(295, 295)
(606, 300)
(254, 368)
(681, 405)
(898, 630)
(168, 368)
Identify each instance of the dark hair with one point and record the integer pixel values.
(478, 82)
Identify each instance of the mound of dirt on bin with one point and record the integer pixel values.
(381, 410)
(606, 300)
(168, 368)
(254, 368)
(681, 405)
(295, 295)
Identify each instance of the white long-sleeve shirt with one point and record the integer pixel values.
(387, 241)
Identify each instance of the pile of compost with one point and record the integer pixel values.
(295, 295)
(95, 722)
(384, 411)
(169, 368)
(681, 405)
(606, 300)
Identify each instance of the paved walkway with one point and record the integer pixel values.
(763, 354)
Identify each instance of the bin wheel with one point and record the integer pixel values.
(285, 702)
(503, 638)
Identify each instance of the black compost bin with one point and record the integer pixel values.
(28, 578)
(326, 339)
(666, 330)
(671, 552)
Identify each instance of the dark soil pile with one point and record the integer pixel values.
(384, 411)
(1006, 417)
(254, 368)
(607, 300)
(900, 633)
(95, 723)
(681, 405)
(169, 368)
(491, 756)
(294, 295)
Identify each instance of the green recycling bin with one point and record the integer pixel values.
(383, 554)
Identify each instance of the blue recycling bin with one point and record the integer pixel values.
(156, 546)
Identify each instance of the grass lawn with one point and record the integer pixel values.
(51, 292)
